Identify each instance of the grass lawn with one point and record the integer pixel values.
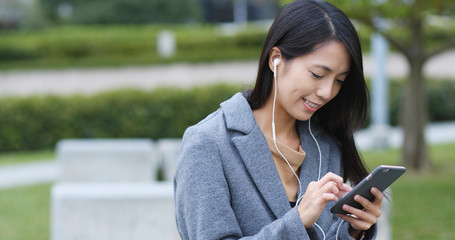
(23, 157)
(422, 202)
(25, 213)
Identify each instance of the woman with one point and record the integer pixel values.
(271, 162)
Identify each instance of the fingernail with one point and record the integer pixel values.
(357, 197)
(345, 207)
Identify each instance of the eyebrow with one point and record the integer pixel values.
(329, 69)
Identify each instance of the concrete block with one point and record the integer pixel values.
(101, 211)
(166, 44)
(169, 149)
(107, 160)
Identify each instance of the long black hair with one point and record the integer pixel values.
(298, 29)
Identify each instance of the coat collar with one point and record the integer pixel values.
(238, 114)
(255, 153)
(239, 117)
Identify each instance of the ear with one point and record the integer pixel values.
(274, 53)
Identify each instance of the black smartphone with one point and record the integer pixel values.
(381, 178)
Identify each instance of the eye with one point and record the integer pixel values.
(317, 76)
(341, 82)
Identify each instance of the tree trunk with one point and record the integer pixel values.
(414, 119)
(415, 154)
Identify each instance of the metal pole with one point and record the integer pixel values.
(380, 96)
(240, 11)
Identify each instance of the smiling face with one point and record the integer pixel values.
(308, 82)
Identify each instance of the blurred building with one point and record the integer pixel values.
(215, 11)
(12, 11)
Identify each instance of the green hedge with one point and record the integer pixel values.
(93, 46)
(38, 122)
(440, 100)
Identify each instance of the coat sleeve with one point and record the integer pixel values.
(202, 198)
(340, 230)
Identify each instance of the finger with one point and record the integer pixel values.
(330, 187)
(332, 177)
(373, 208)
(329, 197)
(363, 201)
(357, 212)
(379, 196)
(361, 215)
(346, 189)
(356, 223)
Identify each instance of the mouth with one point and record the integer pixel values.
(311, 106)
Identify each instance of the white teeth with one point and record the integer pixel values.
(311, 104)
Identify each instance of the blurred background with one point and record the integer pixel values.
(148, 69)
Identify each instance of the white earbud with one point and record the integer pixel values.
(276, 61)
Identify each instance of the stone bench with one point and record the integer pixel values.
(107, 160)
(169, 149)
(101, 211)
(107, 191)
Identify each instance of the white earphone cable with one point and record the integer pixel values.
(273, 128)
(338, 229)
(319, 149)
(299, 198)
(320, 166)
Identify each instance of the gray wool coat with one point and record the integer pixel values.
(227, 186)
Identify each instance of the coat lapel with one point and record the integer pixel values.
(258, 161)
(255, 153)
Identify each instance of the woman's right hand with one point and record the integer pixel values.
(328, 188)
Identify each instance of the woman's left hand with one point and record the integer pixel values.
(362, 220)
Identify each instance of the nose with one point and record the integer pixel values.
(324, 90)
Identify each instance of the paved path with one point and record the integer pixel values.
(90, 81)
(25, 174)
